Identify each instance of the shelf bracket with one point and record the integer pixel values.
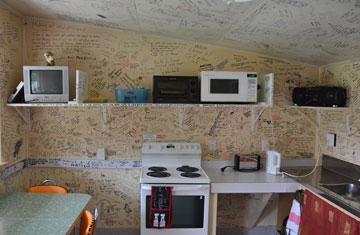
(255, 117)
(104, 118)
(259, 210)
(182, 113)
(24, 113)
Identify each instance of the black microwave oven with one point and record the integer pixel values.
(176, 89)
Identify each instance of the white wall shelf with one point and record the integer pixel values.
(24, 113)
(321, 108)
(265, 100)
(65, 105)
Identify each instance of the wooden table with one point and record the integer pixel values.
(40, 213)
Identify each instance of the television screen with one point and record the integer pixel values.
(46, 81)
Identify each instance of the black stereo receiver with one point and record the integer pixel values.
(320, 96)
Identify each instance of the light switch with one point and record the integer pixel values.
(331, 139)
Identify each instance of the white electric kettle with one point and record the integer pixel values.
(273, 161)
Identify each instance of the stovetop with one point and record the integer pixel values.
(172, 163)
(173, 175)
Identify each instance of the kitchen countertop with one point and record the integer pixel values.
(232, 181)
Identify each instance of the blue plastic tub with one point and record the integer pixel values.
(132, 95)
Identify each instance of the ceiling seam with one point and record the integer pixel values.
(137, 18)
(237, 21)
(12, 9)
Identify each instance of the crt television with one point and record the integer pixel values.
(46, 84)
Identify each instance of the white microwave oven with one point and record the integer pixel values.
(46, 84)
(228, 87)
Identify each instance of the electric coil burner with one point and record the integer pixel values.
(187, 169)
(178, 165)
(157, 168)
(158, 174)
(190, 174)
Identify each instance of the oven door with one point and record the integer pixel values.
(190, 210)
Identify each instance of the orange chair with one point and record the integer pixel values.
(42, 188)
(88, 221)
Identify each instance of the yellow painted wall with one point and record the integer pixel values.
(346, 124)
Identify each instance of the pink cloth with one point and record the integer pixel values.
(294, 218)
(292, 225)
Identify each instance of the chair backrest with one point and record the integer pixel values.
(47, 189)
(87, 224)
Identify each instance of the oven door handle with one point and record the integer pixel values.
(192, 188)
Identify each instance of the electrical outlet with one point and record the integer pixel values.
(265, 145)
(331, 139)
(101, 154)
(212, 145)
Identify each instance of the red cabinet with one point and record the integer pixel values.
(318, 217)
(347, 225)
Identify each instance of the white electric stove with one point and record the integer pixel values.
(176, 165)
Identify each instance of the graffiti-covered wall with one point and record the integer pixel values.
(116, 58)
(13, 142)
(344, 123)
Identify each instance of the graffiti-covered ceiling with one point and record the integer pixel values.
(313, 31)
